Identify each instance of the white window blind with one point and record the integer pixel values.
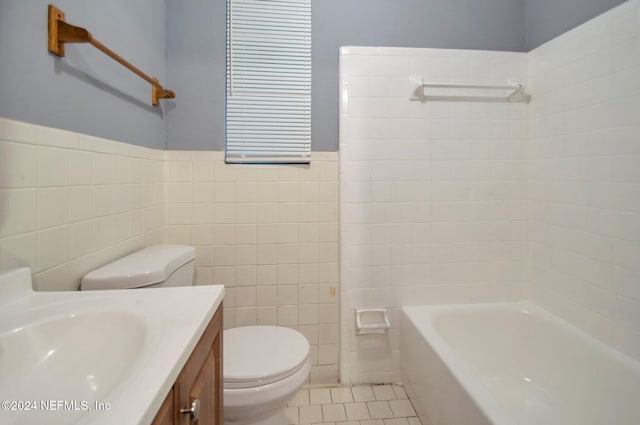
(268, 118)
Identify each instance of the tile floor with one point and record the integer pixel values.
(356, 405)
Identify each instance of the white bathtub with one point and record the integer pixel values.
(512, 364)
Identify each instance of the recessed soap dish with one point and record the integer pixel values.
(372, 321)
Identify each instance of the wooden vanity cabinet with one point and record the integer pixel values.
(201, 380)
(165, 414)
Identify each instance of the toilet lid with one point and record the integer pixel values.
(258, 355)
(146, 267)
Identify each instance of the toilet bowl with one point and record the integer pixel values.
(264, 366)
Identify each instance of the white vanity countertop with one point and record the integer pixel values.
(170, 322)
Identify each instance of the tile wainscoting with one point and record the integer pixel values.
(268, 233)
(70, 203)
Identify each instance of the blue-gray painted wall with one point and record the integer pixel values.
(85, 91)
(196, 70)
(453, 24)
(547, 19)
(89, 93)
(197, 122)
(196, 53)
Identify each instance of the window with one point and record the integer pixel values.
(268, 115)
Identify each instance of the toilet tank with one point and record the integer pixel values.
(154, 266)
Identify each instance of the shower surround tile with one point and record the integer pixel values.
(459, 202)
(433, 194)
(584, 177)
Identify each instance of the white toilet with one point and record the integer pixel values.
(264, 366)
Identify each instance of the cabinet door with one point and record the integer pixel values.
(201, 379)
(166, 413)
(204, 389)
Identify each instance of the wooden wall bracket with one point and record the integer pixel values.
(55, 16)
(61, 32)
(157, 94)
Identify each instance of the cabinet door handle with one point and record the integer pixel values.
(194, 411)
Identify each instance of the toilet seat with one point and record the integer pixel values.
(260, 355)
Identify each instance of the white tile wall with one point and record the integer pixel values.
(433, 195)
(70, 203)
(439, 199)
(270, 235)
(584, 177)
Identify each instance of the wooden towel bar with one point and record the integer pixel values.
(61, 32)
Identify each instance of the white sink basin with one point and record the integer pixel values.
(122, 349)
(84, 356)
(88, 353)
